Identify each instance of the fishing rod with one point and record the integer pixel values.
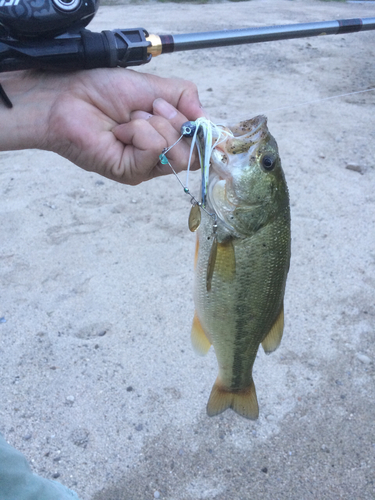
(52, 35)
(190, 41)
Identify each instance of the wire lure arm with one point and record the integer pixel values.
(205, 135)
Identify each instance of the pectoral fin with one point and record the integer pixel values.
(201, 343)
(244, 402)
(222, 260)
(273, 338)
(226, 260)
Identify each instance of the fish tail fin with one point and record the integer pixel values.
(244, 402)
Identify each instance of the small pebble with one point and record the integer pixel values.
(56, 475)
(27, 437)
(80, 437)
(355, 167)
(264, 469)
(49, 205)
(270, 418)
(70, 399)
(363, 358)
(3, 320)
(156, 494)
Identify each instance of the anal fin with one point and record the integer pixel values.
(201, 344)
(272, 341)
(244, 401)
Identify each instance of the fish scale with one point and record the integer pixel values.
(244, 305)
(232, 305)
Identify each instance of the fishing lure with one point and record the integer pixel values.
(206, 136)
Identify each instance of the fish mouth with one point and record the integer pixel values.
(248, 128)
(228, 159)
(244, 137)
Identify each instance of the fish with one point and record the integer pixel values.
(242, 259)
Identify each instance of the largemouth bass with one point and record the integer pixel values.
(241, 262)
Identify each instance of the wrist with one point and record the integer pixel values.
(25, 125)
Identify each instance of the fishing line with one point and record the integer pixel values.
(202, 132)
(206, 136)
(316, 101)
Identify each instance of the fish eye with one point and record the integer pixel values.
(268, 162)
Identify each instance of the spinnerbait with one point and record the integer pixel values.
(206, 135)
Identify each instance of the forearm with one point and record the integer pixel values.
(114, 122)
(26, 124)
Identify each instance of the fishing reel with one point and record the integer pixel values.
(52, 35)
(24, 19)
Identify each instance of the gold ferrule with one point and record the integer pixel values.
(156, 47)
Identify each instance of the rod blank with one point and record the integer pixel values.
(210, 39)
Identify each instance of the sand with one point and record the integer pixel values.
(100, 387)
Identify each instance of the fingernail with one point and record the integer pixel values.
(145, 116)
(164, 109)
(140, 115)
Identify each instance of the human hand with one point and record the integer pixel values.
(114, 122)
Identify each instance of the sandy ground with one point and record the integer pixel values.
(100, 387)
